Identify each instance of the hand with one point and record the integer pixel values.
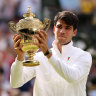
(42, 38)
(43, 45)
(17, 47)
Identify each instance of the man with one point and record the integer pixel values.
(63, 71)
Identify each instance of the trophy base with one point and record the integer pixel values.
(30, 63)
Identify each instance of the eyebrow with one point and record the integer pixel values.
(68, 26)
(59, 25)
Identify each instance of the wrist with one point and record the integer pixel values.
(48, 54)
(20, 58)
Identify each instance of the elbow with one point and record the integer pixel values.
(76, 77)
(14, 84)
(71, 79)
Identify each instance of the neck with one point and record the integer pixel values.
(60, 46)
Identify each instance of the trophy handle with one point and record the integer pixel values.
(46, 23)
(12, 27)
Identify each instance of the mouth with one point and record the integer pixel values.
(61, 36)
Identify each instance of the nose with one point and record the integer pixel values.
(62, 30)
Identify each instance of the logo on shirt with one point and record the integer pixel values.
(68, 59)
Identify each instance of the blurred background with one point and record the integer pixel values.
(12, 10)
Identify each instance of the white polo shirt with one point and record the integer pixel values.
(62, 75)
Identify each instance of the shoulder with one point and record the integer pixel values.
(82, 55)
(81, 52)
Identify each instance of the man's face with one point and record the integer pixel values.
(63, 32)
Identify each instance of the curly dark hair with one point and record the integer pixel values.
(68, 17)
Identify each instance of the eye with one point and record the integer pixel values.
(59, 26)
(68, 27)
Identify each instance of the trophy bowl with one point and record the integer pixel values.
(27, 28)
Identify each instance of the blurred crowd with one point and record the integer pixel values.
(13, 10)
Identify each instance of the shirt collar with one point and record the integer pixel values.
(65, 48)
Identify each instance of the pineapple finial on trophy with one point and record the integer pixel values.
(29, 14)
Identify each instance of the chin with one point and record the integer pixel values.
(62, 43)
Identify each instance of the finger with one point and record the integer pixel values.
(16, 38)
(43, 48)
(39, 39)
(16, 44)
(45, 33)
(41, 34)
(18, 48)
(38, 44)
(41, 45)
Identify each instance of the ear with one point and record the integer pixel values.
(74, 32)
(54, 28)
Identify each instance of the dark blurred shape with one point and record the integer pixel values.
(93, 81)
(1, 71)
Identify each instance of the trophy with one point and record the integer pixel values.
(27, 28)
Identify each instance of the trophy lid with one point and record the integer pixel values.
(29, 22)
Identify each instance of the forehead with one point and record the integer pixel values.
(61, 22)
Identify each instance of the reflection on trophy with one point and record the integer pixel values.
(27, 28)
